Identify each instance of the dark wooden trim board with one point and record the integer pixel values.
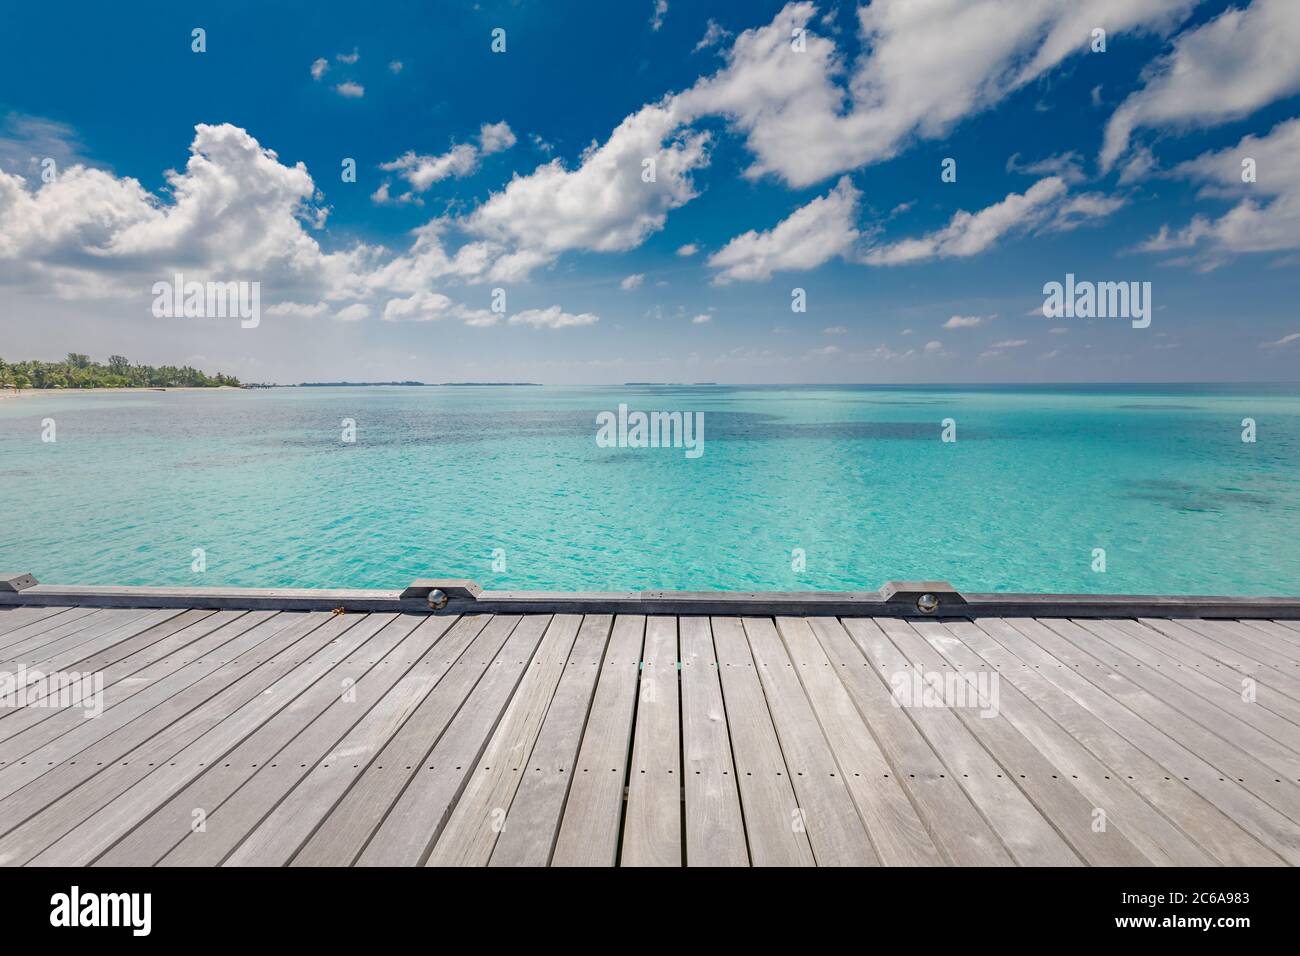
(895, 599)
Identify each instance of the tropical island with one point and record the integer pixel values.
(79, 371)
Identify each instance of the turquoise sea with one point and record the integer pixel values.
(507, 486)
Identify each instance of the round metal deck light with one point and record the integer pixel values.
(926, 603)
(437, 599)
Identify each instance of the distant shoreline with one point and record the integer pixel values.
(24, 393)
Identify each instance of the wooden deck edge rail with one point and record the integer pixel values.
(908, 599)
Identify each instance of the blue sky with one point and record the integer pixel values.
(781, 162)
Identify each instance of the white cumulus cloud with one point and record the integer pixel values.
(618, 195)
(1266, 217)
(1221, 71)
(552, 318)
(970, 233)
(807, 238)
(928, 65)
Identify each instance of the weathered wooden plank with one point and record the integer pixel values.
(652, 831)
(29, 649)
(956, 827)
(715, 829)
(33, 727)
(1057, 798)
(1265, 695)
(533, 819)
(295, 808)
(472, 826)
(897, 833)
(1136, 654)
(12, 618)
(1029, 837)
(826, 809)
(290, 696)
(98, 638)
(1063, 695)
(1120, 805)
(39, 708)
(162, 733)
(1259, 641)
(143, 627)
(1030, 640)
(120, 729)
(589, 827)
(310, 724)
(129, 647)
(1240, 663)
(416, 820)
(21, 636)
(1286, 638)
(1232, 636)
(774, 827)
(1214, 735)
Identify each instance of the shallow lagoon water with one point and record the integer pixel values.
(457, 481)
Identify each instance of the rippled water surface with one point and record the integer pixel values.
(439, 480)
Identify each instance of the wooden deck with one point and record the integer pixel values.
(263, 737)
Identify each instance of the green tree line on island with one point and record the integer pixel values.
(78, 371)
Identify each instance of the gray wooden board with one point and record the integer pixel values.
(108, 669)
(1115, 802)
(378, 739)
(1029, 838)
(1029, 640)
(1233, 680)
(956, 827)
(40, 726)
(1217, 651)
(139, 643)
(100, 772)
(1265, 639)
(1285, 638)
(86, 744)
(652, 823)
(1054, 794)
(289, 697)
(1065, 696)
(12, 618)
(107, 633)
(24, 632)
(1139, 654)
(299, 734)
(417, 818)
(331, 814)
(897, 832)
(63, 631)
(532, 821)
(176, 747)
(1212, 734)
(715, 829)
(1234, 637)
(475, 821)
(373, 767)
(121, 641)
(589, 827)
(826, 810)
(774, 829)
